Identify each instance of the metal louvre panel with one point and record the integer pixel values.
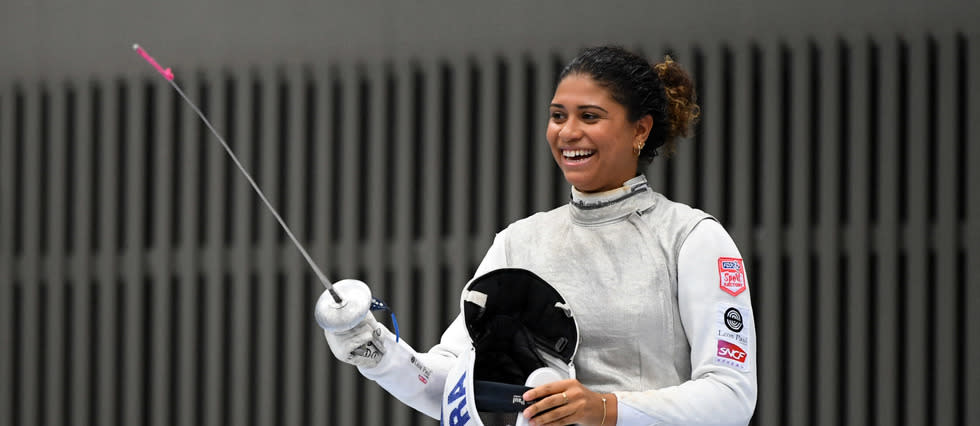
(243, 276)
(373, 188)
(346, 260)
(689, 159)
(8, 210)
(215, 265)
(914, 254)
(487, 141)
(856, 238)
(432, 164)
(132, 305)
(944, 224)
(160, 398)
(30, 281)
(768, 286)
(56, 192)
(266, 260)
(971, 267)
(145, 283)
(318, 372)
(709, 173)
(825, 230)
(458, 253)
(738, 184)
(107, 350)
(546, 174)
(402, 297)
(799, 356)
(886, 287)
(81, 325)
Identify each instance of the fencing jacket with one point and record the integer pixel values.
(661, 298)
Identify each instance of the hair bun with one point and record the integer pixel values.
(682, 108)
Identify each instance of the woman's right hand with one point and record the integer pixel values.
(344, 313)
(361, 346)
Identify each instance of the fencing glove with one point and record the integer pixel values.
(352, 333)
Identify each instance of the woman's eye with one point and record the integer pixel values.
(557, 115)
(590, 116)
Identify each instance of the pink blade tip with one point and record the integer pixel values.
(166, 73)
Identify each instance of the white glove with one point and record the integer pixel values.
(362, 345)
(353, 334)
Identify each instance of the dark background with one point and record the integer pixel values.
(142, 282)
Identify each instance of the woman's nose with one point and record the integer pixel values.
(570, 131)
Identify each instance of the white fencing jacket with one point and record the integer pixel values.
(661, 297)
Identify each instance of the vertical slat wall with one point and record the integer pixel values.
(856, 240)
(144, 282)
(80, 253)
(28, 299)
(970, 259)
(800, 351)
(768, 290)
(241, 299)
(213, 325)
(317, 371)
(7, 213)
(161, 324)
(887, 268)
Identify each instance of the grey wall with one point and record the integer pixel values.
(141, 282)
(56, 38)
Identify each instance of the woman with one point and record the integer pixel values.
(658, 289)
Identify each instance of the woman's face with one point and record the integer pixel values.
(591, 136)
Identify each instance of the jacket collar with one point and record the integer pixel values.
(596, 208)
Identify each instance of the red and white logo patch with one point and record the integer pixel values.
(731, 351)
(731, 274)
(732, 355)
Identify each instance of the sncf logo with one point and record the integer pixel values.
(731, 351)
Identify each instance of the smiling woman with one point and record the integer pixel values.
(591, 137)
(611, 114)
(657, 289)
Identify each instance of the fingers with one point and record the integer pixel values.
(362, 345)
(548, 389)
(562, 403)
(557, 403)
(561, 415)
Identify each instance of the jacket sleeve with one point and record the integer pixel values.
(716, 313)
(417, 378)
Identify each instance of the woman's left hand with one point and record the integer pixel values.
(566, 402)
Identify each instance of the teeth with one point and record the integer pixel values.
(572, 153)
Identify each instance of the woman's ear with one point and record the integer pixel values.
(643, 127)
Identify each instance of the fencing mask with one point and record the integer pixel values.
(523, 334)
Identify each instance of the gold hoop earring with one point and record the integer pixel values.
(637, 149)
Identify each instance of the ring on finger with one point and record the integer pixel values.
(566, 398)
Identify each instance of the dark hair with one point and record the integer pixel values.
(665, 91)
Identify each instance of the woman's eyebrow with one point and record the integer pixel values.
(581, 107)
(592, 106)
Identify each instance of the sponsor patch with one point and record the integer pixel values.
(425, 371)
(733, 319)
(733, 324)
(731, 275)
(731, 355)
